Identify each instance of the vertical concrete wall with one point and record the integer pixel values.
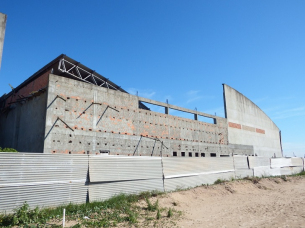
(3, 18)
(106, 120)
(22, 125)
(249, 125)
(25, 91)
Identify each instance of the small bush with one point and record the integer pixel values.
(7, 150)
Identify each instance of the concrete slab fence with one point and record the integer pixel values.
(55, 179)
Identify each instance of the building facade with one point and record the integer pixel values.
(66, 107)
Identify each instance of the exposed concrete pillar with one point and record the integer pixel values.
(3, 18)
(166, 110)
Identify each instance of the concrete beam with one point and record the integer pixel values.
(162, 104)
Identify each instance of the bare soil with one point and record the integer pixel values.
(268, 202)
(272, 202)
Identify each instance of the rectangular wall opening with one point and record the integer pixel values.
(182, 154)
(190, 154)
(202, 154)
(175, 154)
(196, 154)
(224, 155)
(213, 154)
(152, 107)
(207, 119)
(181, 114)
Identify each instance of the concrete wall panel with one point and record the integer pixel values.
(117, 124)
(22, 125)
(249, 125)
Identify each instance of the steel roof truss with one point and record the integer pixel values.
(79, 73)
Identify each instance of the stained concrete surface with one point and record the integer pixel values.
(3, 19)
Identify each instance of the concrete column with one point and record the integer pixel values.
(3, 18)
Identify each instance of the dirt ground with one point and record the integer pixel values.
(273, 202)
(270, 202)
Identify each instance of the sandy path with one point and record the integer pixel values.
(270, 203)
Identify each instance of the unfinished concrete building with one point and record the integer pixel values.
(65, 107)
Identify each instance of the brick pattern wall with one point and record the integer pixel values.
(35, 85)
(115, 123)
(246, 128)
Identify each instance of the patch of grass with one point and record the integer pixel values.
(302, 173)
(219, 181)
(254, 180)
(118, 209)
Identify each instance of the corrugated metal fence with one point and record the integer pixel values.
(55, 179)
(42, 179)
(110, 175)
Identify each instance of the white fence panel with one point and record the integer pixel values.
(190, 172)
(297, 162)
(280, 162)
(112, 175)
(102, 191)
(185, 182)
(179, 166)
(258, 161)
(262, 171)
(42, 179)
(242, 173)
(291, 170)
(241, 162)
(212, 177)
(118, 168)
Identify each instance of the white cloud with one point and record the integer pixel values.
(146, 93)
(288, 113)
(194, 95)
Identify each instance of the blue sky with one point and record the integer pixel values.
(177, 50)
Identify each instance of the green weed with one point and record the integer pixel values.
(152, 207)
(170, 213)
(158, 214)
(302, 173)
(7, 150)
(219, 181)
